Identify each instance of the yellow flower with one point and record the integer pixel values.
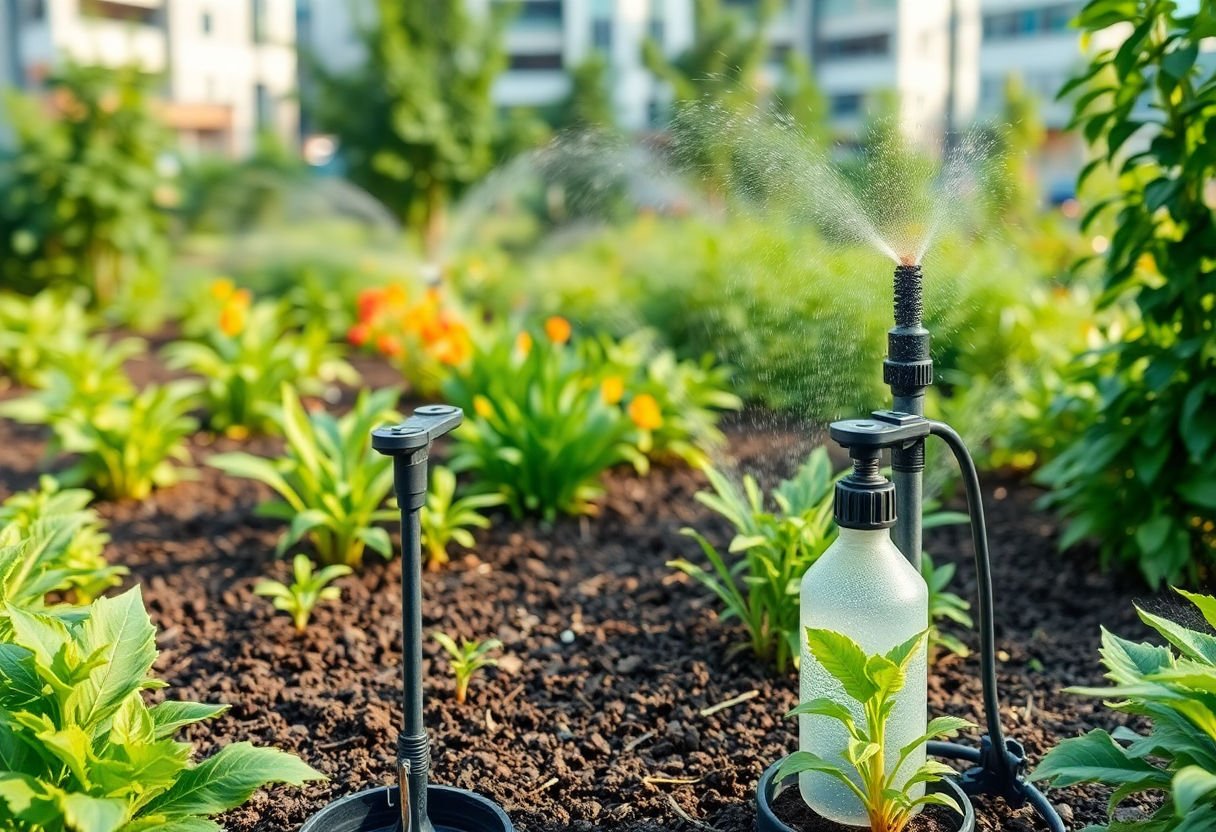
(232, 317)
(483, 407)
(523, 343)
(222, 288)
(612, 389)
(558, 329)
(645, 412)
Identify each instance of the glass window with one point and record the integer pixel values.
(541, 11)
(206, 23)
(601, 34)
(537, 61)
(658, 30)
(846, 104)
(258, 11)
(857, 47)
(262, 106)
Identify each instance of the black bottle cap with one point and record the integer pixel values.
(865, 499)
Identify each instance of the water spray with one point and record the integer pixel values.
(863, 566)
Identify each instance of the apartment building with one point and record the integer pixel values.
(227, 67)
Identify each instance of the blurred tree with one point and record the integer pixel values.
(415, 119)
(81, 183)
(800, 99)
(589, 104)
(1139, 480)
(1012, 187)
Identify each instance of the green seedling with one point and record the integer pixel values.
(467, 659)
(446, 519)
(306, 590)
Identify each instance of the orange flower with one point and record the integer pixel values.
(358, 334)
(612, 389)
(453, 350)
(222, 288)
(395, 295)
(523, 343)
(233, 317)
(389, 345)
(482, 406)
(242, 297)
(368, 303)
(558, 329)
(645, 413)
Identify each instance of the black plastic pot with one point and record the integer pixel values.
(379, 810)
(768, 790)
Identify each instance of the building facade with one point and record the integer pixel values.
(227, 67)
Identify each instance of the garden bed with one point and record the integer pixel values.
(599, 714)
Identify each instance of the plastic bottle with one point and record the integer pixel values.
(863, 587)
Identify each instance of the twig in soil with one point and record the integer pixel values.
(684, 816)
(635, 742)
(511, 696)
(342, 743)
(730, 703)
(671, 781)
(552, 781)
(491, 725)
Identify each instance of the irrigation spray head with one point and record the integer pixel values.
(908, 368)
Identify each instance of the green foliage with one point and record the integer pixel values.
(944, 604)
(332, 485)
(245, 366)
(425, 121)
(124, 443)
(589, 104)
(57, 542)
(447, 519)
(537, 427)
(81, 749)
(1172, 691)
(33, 330)
(769, 553)
(884, 789)
(306, 590)
(467, 659)
(1138, 480)
(80, 188)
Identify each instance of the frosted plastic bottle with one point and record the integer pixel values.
(863, 587)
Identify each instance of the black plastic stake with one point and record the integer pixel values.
(409, 444)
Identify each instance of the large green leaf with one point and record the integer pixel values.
(121, 627)
(1095, 757)
(844, 660)
(228, 778)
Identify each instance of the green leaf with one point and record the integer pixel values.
(227, 780)
(826, 707)
(120, 626)
(844, 660)
(1094, 758)
(169, 716)
(93, 814)
(1195, 645)
(1191, 785)
(1205, 603)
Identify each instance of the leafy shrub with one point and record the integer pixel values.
(84, 751)
(1170, 689)
(538, 428)
(306, 590)
(78, 382)
(82, 188)
(246, 357)
(1138, 480)
(62, 540)
(772, 548)
(446, 519)
(422, 333)
(122, 447)
(467, 660)
(883, 786)
(35, 329)
(332, 485)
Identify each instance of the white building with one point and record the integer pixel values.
(228, 66)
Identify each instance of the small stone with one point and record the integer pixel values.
(1065, 813)
(567, 637)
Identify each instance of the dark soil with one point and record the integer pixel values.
(594, 719)
(794, 813)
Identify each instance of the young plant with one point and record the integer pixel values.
(446, 519)
(331, 483)
(769, 553)
(306, 591)
(79, 382)
(875, 773)
(1173, 691)
(944, 604)
(467, 659)
(35, 329)
(537, 427)
(246, 357)
(83, 750)
(52, 532)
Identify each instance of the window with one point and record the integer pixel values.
(843, 8)
(1042, 20)
(540, 11)
(658, 30)
(858, 47)
(846, 104)
(541, 61)
(206, 23)
(601, 34)
(263, 107)
(32, 11)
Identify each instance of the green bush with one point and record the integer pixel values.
(1139, 479)
(34, 330)
(81, 189)
(1170, 690)
(83, 751)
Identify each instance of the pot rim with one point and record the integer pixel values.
(767, 790)
(437, 797)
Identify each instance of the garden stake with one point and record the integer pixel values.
(999, 762)
(413, 805)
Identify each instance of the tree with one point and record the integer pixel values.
(416, 120)
(1011, 186)
(589, 104)
(1140, 479)
(800, 100)
(80, 187)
